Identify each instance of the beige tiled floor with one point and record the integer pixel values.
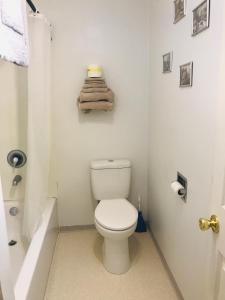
(77, 272)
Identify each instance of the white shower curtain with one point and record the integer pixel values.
(38, 127)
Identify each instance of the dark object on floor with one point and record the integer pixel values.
(12, 243)
(141, 226)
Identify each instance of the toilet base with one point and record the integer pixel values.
(116, 258)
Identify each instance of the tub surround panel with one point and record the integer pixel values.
(14, 224)
(13, 116)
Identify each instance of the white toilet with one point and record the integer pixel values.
(115, 217)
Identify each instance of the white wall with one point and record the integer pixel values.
(182, 128)
(114, 35)
(12, 124)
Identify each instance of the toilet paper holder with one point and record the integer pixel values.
(180, 186)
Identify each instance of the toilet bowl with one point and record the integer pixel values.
(115, 217)
(116, 221)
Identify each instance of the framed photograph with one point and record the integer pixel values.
(201, 17)
(167, 62)
(179, 10)
(186, 75)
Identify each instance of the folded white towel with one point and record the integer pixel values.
(12, 15)
(14, 46)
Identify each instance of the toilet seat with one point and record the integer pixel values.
(116, 214)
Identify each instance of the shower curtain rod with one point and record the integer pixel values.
(32, 6)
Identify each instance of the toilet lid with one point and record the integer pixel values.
(116, 214)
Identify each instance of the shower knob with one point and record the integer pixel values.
(16, 158)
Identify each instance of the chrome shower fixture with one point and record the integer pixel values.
(16, 180)
(16, 158)
(13, 211)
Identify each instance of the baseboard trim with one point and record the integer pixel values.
(172, 278)
(75, 227)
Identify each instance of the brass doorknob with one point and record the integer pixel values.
(213, 223)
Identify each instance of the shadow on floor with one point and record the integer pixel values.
(1, 297)
(98, 247)
(134, 247)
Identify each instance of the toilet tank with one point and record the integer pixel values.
(110, 179)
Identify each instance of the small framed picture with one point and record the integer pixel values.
(167, 62)
(179, 10)
(186, 75)
(201, 15)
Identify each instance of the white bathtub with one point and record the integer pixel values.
(33, 276)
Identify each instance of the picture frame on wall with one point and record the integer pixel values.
(201, 16)
(179, 10)
(186, 75)
(167, 62)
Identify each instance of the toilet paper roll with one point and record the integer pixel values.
(178, 189)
